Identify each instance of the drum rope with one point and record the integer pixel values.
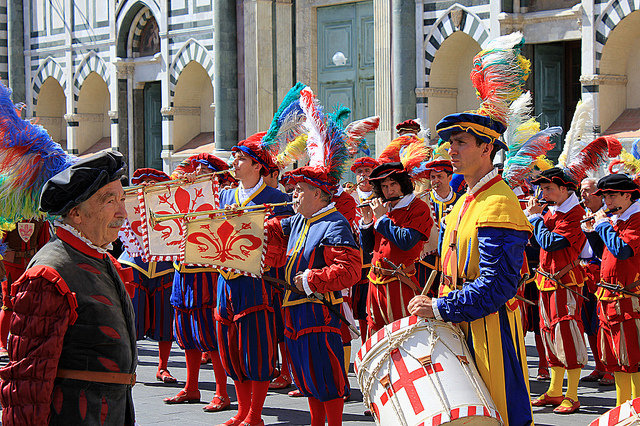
(394, 341)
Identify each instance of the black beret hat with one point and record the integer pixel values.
(618, 182)
(554, 175)
(79, 182)
(385, 169)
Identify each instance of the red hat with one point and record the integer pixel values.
(286, 178)
(251, 147)
(440, 165)
(315, 176)
(408, 125)
(208, 160)
(364, 162)
(147, 173)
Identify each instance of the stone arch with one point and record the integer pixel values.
(48, 68)
(455, 18)
(139, 22)
(91, 63)
(191, 50)
(614, 12)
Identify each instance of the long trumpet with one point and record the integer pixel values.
(178, 181)
(154, 218)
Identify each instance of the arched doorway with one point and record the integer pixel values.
(94, 125)
(450, 89)
(51, 109)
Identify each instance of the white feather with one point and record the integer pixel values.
(579, 133)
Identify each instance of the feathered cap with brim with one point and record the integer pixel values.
(147, 174)
(408, 151)
(554, 175)
(629, 162)
(78, 183)
(326, 146)
(440, 160)
(29, 159)
(364, 162)
(288, 123)
(618, 182)
(499, 73)
(209, 162)
(385, 170)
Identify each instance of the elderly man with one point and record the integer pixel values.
(482, 244)
(321, 257)
(72, 348)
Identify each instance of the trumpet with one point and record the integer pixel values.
(154, 218)
(592, 216)
(178, 181)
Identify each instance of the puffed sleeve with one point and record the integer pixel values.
(277, 239)
(43, 309)
(344, 265)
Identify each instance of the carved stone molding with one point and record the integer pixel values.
(124, 69)
(93, 118)
(436, 92)
(192, 111)
(49, 121)
(603, 79)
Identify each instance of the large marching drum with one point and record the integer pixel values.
(420, 372)
(627, 414)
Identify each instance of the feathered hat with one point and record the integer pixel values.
(405, 154)
(440, 161)
(364, 162)
(499, 73)
(410, 126)
(210, 162)
(286, 126)
(580, 155)
(356, 131)
(629, 162)
(148, 174)
(326, 146)
(527, 144)
(618, 182)
(29, 159)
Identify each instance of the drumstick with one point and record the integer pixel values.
(429, 283)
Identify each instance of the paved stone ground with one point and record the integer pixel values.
(281, 409)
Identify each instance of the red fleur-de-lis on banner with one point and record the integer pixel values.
(183, 204)
(225, 242)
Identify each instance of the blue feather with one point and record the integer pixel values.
(634, 149)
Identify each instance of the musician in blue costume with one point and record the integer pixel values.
(244, 312)
(194, 299)
(321, 257)
(151, 288)
(482, 268)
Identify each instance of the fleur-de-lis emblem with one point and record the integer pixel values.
(179, 202)
(225, 243)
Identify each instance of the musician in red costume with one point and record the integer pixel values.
(72, 349)
(395, 238)
(22, 244)
(560, 279)
(619, 310)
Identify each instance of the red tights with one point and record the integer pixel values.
(329, 410)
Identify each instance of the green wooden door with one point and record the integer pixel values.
(548, 73)
(349, 29)
(152, 125)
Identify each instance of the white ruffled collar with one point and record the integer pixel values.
(82, 238)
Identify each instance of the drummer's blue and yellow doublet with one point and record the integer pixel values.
(491, 237)
(312, 333)
(245, 307)
(152, 283)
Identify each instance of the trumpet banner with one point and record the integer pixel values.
(131, 233)
(234, 243)
(162, 241)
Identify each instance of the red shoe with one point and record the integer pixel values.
(607, 380)
(165, 377)
(183, 397)
(567, 410)
(218, 403)
(231, 422)
(593, 377)
(545, 399)
(295, 393)
(280, 382)
(249, 424)
(206, 358)
(543, 374)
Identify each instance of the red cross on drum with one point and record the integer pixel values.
(419, 372)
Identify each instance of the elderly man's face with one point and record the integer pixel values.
(102, 215)
(587, 192)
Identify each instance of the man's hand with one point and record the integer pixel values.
(379, 208)
(600, 214)
(533, 206)
(421, 306)
(297, 281)
(367, 215)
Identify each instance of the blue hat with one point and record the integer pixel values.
(481, 126)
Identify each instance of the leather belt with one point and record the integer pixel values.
(401, 274)
(448, 280)
(562, 272)
(98, 376)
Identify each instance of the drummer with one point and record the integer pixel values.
(480, 276)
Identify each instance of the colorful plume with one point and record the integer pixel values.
(287, 123)
(594, 155)
(579, 133)
(28, 158)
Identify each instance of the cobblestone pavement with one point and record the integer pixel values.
(281, 409)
